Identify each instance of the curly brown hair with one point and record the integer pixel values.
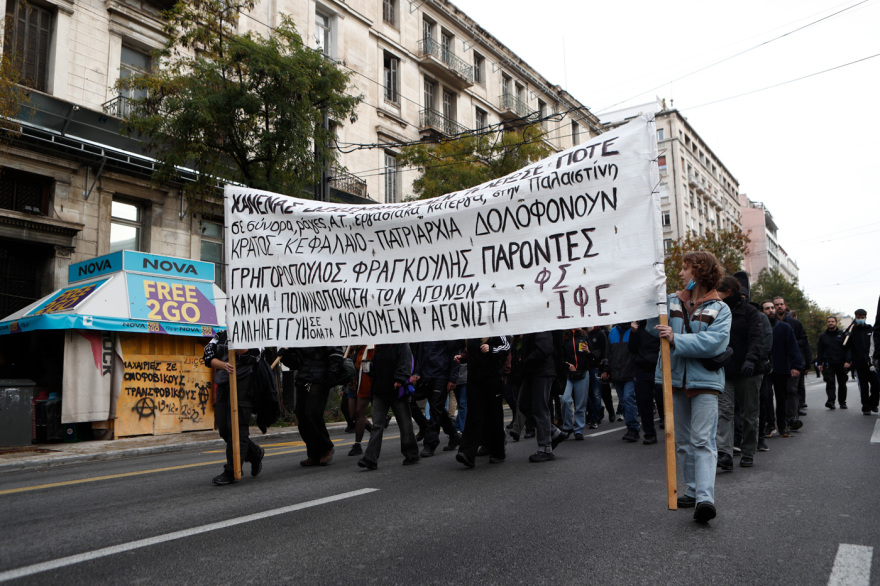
(705, 267)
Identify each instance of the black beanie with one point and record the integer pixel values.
(743, 278)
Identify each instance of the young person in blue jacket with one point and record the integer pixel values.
(695, 388)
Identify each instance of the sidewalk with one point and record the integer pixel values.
(48, 455)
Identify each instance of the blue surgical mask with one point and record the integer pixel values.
(861, 322)
(691, 284)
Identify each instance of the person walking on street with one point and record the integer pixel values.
(858, 343)
(742, 384)
(645, 349)
(436, 372)
(621, 371)
(833, 362)
(787, 364)
(576, 354)
(783, 313)
(598, 341)
(699, 328)
(539, 371)
(390, 371)
(217, 357)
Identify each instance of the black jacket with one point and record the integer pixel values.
(537, 357)
(746, 336)
(435, 360)
(313, 364)
(391, 363)
(645, 349)
(218, 348)
(575, 351)
(830, 348)
(859, 345)
(802, 340)
(598, 346)
(483, 365)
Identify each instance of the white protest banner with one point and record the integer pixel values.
(571, 241)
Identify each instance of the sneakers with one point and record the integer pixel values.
(514, 435)
(650, 440)
(686, 502)
(363, 463)
(704, 512)
(762, 445)
(560, 437)
(349, 428)
(843, 406)
(308, 462)
(411, 461)
(785, 433)
(327, 458)
(746, 462)
(620, 416)
(631, 436)
(796, 424)
(529, 434)
(725, 461)
(542, 456)
(356, 450)
(427, 452)
(464, 459)
(594, 425)
(737, 450)
(483, 451)
(579, 437)
(830, 405)
(497, 459)
(257, 464)
(223, 479)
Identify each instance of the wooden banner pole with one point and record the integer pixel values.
(668, 420)
(233, 417)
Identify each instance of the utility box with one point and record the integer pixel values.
(16, 412)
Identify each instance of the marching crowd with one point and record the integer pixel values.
(730, 360)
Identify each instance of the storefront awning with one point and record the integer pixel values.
(130, 291)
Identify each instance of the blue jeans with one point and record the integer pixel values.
(576, 392)
(696, 423)
(626, 394)
(460, 398)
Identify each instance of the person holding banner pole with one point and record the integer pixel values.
(698, 329)
(217, 357)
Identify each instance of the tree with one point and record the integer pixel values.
(11, 94)
(463, 162)
(728, 246)
(237, 107)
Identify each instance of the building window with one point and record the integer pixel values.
(392, 78)
(575, 133)
(661, 162)
(481, 119)
(427, 32)
(23, 192)
(28, 43)
(131, 63)
(667, 245)
(505, 85)
(126, 226)
(389, 12)
(521, 93)
(392, 179)
(666, 219)
(430, 95)
(324, 33)
(659, 134)
(447, 47)
(212, 249)
(542, 113)
(479, 69)
(449, 100)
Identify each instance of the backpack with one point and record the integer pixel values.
(265, 395)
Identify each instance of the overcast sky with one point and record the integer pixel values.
(808, 149)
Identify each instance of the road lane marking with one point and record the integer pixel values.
(150, 471)
(875, 438)
(115, 549)
(852, 566)
(612, 430)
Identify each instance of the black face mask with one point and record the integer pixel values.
(733, 301)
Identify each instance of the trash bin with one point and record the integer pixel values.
(16, 411)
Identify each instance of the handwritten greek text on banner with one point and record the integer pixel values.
(571, 241)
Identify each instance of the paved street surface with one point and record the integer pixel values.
(807, 513)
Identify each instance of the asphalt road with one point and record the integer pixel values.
(595, 515)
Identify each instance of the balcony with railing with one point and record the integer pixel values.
(445, 64)
(345, 181)
(432, 120)
(513, 107)
(120, 106)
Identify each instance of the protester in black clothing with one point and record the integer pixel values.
(217, 356)
(598, 345)
(484, 425)
(783, 313)
(833, 361)
(435, 374)
(390, 371)
(645, 350)
(316, 369)
(742, 383)
(539, 371)
(787, 364)
(858, 342)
